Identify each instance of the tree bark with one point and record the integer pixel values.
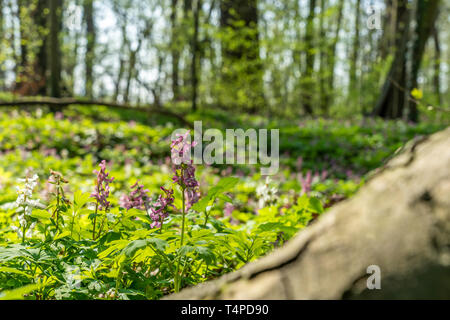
(195, 55)
(307, 82)
(437, 65)
(355, 47)
(426, 15)
(88, 17)
(398, 221)
(55, 48)
(391, 101)
(175, 51)
(241, 63)
(395, 98)
(332, 55)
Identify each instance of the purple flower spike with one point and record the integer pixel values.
(138, 198)
(185, 172)
(101, 193)
(159, 211)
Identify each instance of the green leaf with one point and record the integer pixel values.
(12, 270)
(315, 206)
(134, 246)
(158, 244)
(41, 214)
(17, 294)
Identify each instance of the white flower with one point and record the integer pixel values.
(266, 194)
(25, 205)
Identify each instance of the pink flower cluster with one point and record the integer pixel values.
(159, 209)
(101, 193)
(185, 171)
(308, 180)
(138, 198)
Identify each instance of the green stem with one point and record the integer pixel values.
(95, 221)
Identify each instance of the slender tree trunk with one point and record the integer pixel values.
(21, 75)
(55, 48)
(307, 80)
(195, 53)
(175, 51)
(395, 98)
(88, 17)
(2, 73)
(387, 40)
(131, 73)
(391, 101)
(119, 79)
(332, 53)
(437, 65)
(31, 71)
(241, 63)
(322, 58)
(355, 49)
(426, 14)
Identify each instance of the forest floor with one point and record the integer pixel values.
(322, 162)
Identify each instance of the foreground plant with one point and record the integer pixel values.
(101, 195)
(184, 177)
(26, 204)
(57, 179)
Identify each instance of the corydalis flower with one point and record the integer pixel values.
(26, 203)
(266, 194)
(138, 198)
(185, 170)
(160, 208)
(101, 193)
(309, 180)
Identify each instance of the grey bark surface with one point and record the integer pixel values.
(399, 220)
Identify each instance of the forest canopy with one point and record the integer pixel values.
(306, 57)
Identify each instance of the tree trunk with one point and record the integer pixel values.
(437, 65)
(88, 17)
(389, 29)
(395, 99)
(398, 222)
(323, 58)
(2, 73)
(391, 101)
(195, 54)
(55, 48)
(355, 47)
(31, 74)
(175, 51)
(307, 82)
(426, 15)
(332, 55)
(241, 63)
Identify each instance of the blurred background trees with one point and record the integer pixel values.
(288, 58)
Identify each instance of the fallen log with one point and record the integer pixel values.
(399, 221)
(64, 102)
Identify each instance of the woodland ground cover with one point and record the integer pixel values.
(70, 232)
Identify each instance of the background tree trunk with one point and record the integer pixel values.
(195, 55)
(395, 99)
(307, 81)
(332, 55)
(391, 101)
(241, 63)
(437, 65)
(175, 51)
(426, 15)
(55, 49)
(329, 259)
(88, 17)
